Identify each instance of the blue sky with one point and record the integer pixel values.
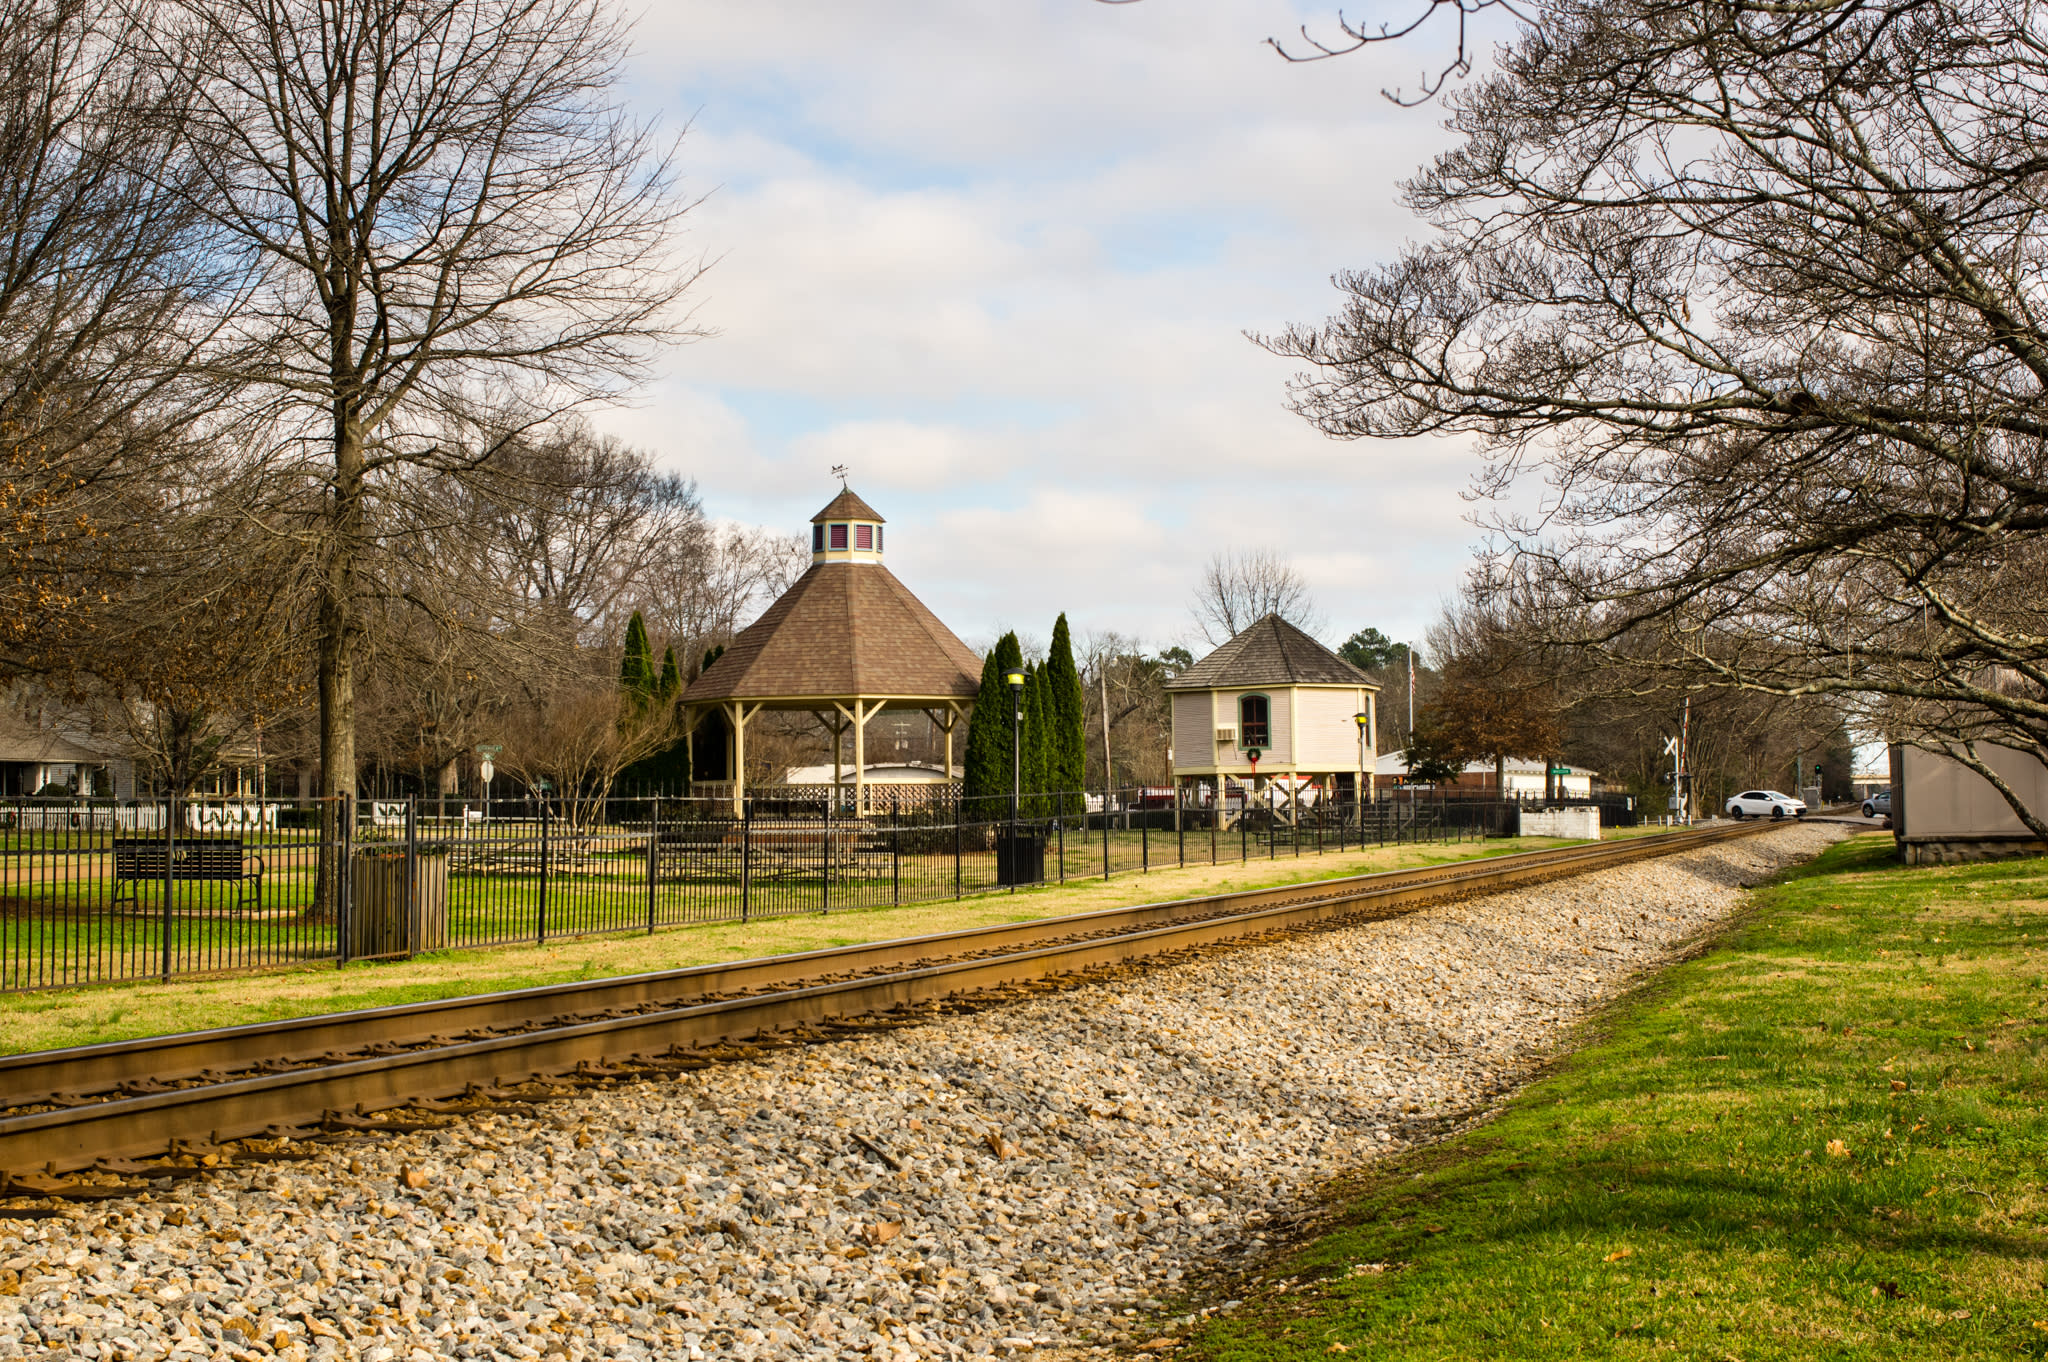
(999, 257)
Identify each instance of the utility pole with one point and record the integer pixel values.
(1108, 772)
(1411, 693)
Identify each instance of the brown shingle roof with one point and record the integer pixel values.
(847, 506)
(1271, 652)
(842, 629)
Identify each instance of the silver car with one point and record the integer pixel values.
(1878, 805)
(1765, 804)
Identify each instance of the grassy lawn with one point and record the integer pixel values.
(52, 1019)
(1823, 1138)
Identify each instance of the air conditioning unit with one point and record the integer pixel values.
(1226, 735)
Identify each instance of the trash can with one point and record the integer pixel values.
(381, 921)
(1020, 856)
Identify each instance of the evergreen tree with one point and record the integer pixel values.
(1041, 741)
(671, 684)
(986, 779)
(1069, 715)
(636, 668)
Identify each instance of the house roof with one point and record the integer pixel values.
(847, 506)
(841, 630)
(27, 738)
(1271, 652)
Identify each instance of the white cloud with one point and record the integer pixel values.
(999, 256)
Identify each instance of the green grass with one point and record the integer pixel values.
(1823, 1138)
(82, 1016)
(60, 925)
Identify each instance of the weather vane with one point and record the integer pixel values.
(839, 472)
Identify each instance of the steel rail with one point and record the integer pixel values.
(78, 1136)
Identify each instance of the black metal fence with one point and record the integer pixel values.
(101, 892)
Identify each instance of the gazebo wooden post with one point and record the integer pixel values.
(740, 712)
(861, 715)
(857, 719)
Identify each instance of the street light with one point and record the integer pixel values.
(1015, 681)
(1363, 718)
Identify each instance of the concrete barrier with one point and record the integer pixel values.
(1582, 822)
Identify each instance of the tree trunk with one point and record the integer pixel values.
(339, 631)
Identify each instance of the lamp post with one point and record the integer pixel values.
(1362, 719)
(1015, 681)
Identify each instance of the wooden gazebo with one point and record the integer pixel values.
(845, 642)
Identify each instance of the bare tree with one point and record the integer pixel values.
(437, 207)
(704, 587)
(581, 731)
(1756, 288)
(1240, 587)
(1120, 680)
(99, 261)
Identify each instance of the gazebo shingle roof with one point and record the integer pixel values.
(1270, 652)
(843, 629)
(847, 506)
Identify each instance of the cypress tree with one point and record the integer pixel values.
(985, 781)
(636, 668)
(671, 683)
(1069, 716)
(1039, 743)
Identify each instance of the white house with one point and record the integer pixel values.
(1271, 702)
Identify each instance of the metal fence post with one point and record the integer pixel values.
(541, 919)
(412, 874)
(1105, 831)
(956, 848)
(896, 850)
(825, 864)
(653, 857)
(1060, 833)
(344, 893)
(747, 860)
(1180, 826)
(170, 855)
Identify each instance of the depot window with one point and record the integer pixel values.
(864, 536)
(1253, 728)
(838, 536)
(817, 539)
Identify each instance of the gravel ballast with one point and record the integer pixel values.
(1033, 1174)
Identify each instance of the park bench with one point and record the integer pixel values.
(140, 860)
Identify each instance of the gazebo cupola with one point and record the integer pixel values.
(847, 531)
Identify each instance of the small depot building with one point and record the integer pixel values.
(1272, 708)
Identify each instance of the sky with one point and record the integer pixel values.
(999, 258)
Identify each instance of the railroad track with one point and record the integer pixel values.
(180, 1099)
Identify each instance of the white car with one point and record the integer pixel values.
(1765, 803)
